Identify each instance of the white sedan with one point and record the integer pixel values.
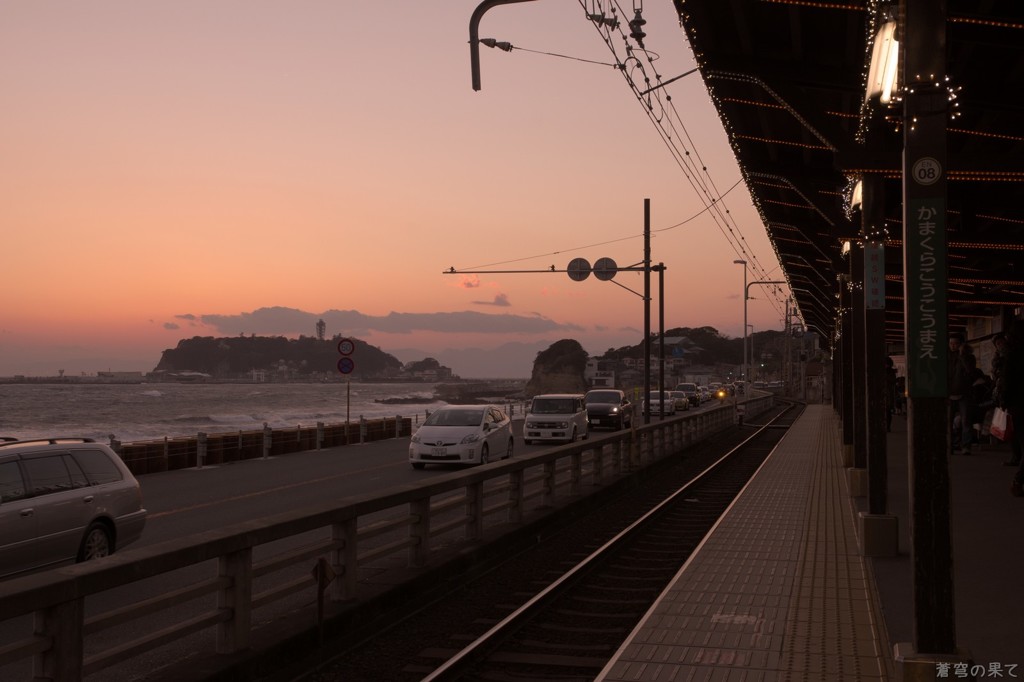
(660, 403)
(462, 434)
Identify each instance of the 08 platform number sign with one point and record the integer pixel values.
(927, 171)
(346, 364)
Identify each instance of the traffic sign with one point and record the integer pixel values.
(346, 346)
(579, 269)
(346, 365)
(605, 269)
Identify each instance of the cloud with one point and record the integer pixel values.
(187, 316)
(500, 300)
(467, 282)
(170, 326)
(289, 322)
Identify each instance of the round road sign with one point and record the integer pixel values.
(346, 365)
(579, 269)
(927, 171)
(346, 346)
(605, 269)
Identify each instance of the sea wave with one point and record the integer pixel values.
(174, 411)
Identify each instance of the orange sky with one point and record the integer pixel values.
(167, 169)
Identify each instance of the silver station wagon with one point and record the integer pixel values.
(64, 500)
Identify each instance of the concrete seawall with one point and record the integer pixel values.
(147, 457)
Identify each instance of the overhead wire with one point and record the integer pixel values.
(604, 243)
(665, 117)
(705, 189)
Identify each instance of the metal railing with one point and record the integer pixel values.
(67, 642)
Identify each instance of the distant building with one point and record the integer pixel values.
(120, 377)
(600, 373)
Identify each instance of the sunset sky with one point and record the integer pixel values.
(182, 168)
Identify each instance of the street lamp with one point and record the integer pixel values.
(743, 374)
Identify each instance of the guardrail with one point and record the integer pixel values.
(412, 522)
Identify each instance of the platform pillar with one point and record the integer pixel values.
(912, 666)
(857, 480)
(879, 535)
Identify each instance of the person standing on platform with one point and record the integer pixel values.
(1011, 398)
(960, 380)
(890, 392)
(1002, 349)
(979, 397)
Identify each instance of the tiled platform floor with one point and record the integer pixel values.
(778, 590)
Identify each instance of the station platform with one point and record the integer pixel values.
(780, 589)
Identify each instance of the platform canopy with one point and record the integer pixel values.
(788, 78)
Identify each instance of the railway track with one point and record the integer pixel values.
(559, 611)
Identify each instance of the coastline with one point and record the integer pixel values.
(99, 379)
(146, 411)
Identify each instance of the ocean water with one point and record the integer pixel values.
(136, 412)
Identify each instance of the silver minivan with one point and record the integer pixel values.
(558, 417)
(64, 500)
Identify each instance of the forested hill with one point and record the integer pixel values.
(234, 356)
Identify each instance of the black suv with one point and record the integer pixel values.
(608, 407)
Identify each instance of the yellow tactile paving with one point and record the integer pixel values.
(777, 591)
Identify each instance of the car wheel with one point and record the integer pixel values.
(485, 455)
(508, 454)
(418, 465)
(96, 543)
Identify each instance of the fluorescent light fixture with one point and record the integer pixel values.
(885, 57)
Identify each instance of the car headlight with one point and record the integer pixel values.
(471, 438)
(563, 425)
(415, 437)
(613, 410)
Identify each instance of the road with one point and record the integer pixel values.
(185, 502)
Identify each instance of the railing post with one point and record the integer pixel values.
(362, 429)
(515, 496)
(345, 559)
(319, 435)
(575, 472)
(419, 531)
(200, 449)
(62, 624)
(599, 465)
(268, 440)
(474, 510)
(548, 484)
(398, 426)
(233, 634)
